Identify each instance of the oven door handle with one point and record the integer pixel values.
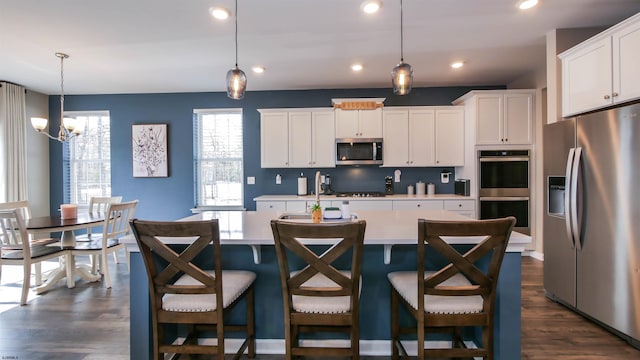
(504, 159)
(504, 198)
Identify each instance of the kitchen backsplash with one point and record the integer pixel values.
(355, 179)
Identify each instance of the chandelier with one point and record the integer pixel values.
(69, 127)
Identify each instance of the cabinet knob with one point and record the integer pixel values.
(607, 97)
(506, 140)
(407, 162)
(418, 205)
(615, 94)
(459, 205)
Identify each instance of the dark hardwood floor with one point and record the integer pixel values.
(90, 322)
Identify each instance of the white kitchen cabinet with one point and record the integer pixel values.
(354, 206)
(602, 70)
(449, 137)
(271, 205)
(502, 117)
(302, 138)
(274, 139)
(462, 207)
(423, 136)
(358, 123)
(417, 204)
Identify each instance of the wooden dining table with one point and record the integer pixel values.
(68, 267)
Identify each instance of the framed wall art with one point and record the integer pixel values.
(149, 150)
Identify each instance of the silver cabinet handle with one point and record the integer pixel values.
(607, 97)
(615, 94)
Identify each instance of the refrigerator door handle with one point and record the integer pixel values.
(567, 199)
(575, 228)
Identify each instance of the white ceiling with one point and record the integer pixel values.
(154, 46)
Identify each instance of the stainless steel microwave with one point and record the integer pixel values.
(358, 151)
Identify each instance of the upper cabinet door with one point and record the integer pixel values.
(274, 139)
(586, 78)
(300, 139)
(518, 118)
(358, 123)
(449, 137)
(347, 123)
(323, 145)
(422, 137)
(370, 122)
(489, 119)
(395, 130)
(626, 72)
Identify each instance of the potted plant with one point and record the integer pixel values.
(316, 212)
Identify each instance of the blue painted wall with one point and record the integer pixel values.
(172, 197)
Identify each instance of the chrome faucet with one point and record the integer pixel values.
(317, 187)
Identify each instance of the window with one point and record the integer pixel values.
(87, 158)
(217, 155)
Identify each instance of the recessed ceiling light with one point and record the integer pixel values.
(258, 69)
(457, 64)
(356, 67)
(371, 6)
(219, 13)
(527, 4)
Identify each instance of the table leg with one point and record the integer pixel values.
(70, 270)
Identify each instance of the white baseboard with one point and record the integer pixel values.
(534, 254)
(367, 347)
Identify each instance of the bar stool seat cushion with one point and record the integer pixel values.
(322, 305)
(234, 284)
(406, 283)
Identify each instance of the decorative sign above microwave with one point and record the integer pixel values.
(358, 104)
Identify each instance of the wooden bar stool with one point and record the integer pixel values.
(184, 293)
(460, 294)
(319, 296)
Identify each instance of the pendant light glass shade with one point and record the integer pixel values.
(402, 78)
(236, 79)
(402, 74)
(236, 83)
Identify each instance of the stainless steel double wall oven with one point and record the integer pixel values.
(504, 186)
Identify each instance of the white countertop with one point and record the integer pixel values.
(383, 227)
(350, 198)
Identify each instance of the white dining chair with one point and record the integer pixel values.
(115, 226)
(17, 249)
(98, 205)
(24, 210)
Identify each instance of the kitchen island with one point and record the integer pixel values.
(245, 233)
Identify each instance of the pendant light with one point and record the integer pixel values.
(69, 127)
(236, 79)
(402, 74)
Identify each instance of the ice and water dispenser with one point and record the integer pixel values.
(556, 195)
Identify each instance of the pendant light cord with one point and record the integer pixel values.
(237, 33)
(62, 56)
(401, 35)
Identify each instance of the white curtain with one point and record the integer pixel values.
(13, 160)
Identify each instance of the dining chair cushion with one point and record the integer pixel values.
(406, 283)
(234, 284)
(36, 252)
(322, 304)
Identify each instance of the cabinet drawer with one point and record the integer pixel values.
(417, 204)
(460, 205)
(297, 206)
(270, 206)
(469, 214)
(354, 206)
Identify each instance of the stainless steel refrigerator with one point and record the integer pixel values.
(592, 220)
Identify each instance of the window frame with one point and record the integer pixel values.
(67, 161)
(197, 138)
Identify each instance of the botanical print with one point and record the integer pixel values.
(149, 150)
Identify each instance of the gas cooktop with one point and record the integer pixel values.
(360, 194)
